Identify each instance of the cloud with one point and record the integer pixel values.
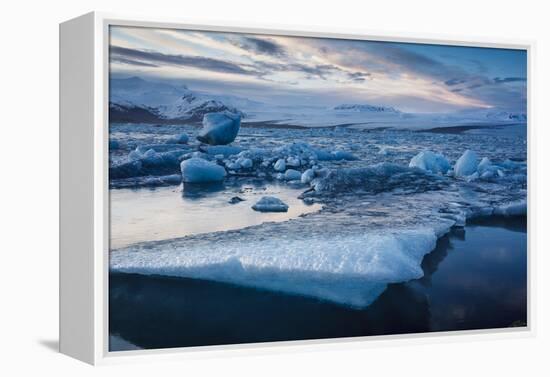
(259, 69)
(498, 80)
(439, 77)
(453, 82)
(260, 46)
(152, 58)
(122, 60)
(358, 76)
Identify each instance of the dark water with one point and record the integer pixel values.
(476, 278)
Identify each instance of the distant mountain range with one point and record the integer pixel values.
(137, 100)
(366, 108)
(507, 116)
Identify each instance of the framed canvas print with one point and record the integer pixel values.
(226, 186)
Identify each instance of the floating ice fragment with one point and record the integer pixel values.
(293, 161)
(236, 199)
(280, 165)
(219, 128)
(125, 170)
(270, 204)
(307, 176)
(466, 165)
(198, 170)
(291, 175)
(233, 165)
(245, 163)
(430, 161)
(484, 164)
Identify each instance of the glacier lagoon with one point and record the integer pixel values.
(364, 223)
(475, 278)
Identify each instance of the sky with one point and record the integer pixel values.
(283, 70)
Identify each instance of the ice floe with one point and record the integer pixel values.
(347, 269)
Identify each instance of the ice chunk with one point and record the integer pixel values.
(270, 204)
(466, 165)
(307, 176)
(280, 165)
(232, 165)
(235, 200)
(126, 170)
(516, 208)
(430, 161)
(293, 161)
(245, 163)
(178, 139)
(484, 165)
(219, 128)
(151, 158)
(198, 170)
(291, 175)
(487, 174)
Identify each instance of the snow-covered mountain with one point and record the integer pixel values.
(136, 100)
(507, 116)
(366, 108)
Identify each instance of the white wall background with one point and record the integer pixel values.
(29, 188)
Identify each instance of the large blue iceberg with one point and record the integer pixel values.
(219, 128)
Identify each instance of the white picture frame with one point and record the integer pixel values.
(84, 206)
